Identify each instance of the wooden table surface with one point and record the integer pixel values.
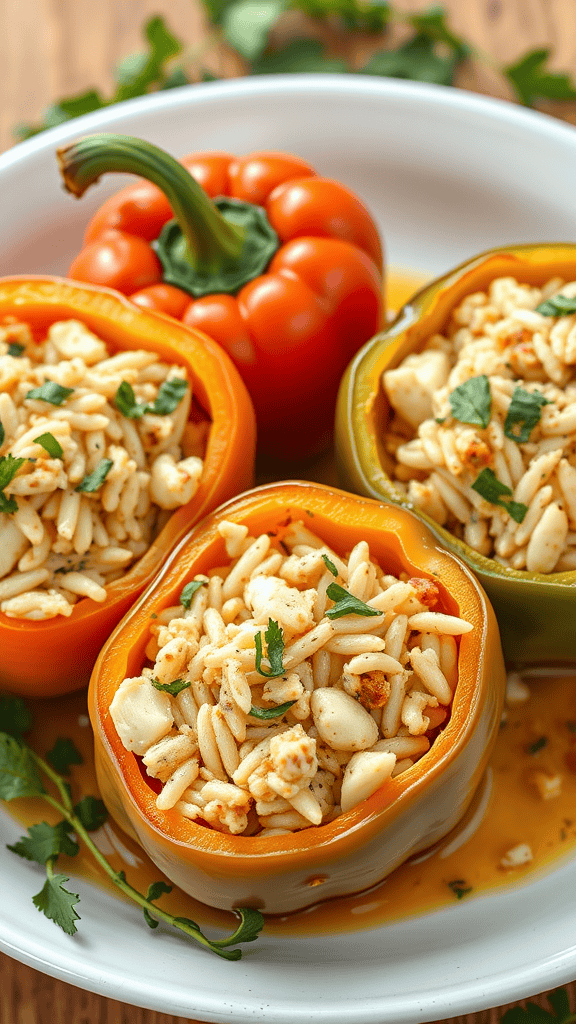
(55, 48)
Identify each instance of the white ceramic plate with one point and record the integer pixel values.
(447, 175)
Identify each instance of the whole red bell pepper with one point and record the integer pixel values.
(283, 269)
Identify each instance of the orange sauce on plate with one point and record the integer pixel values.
(536, 740)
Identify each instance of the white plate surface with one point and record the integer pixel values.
(447, 174)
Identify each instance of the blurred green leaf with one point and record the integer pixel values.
(355, 14)
(531, 81)
(432, 24)
(417, 59)
(246, 25)
(300, 55)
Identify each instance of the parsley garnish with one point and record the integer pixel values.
(50, 445)
(94, 480)
(265, 713)
(50, 392)
(330, 565)
(188, 592)
(9, 466)
(493, 490)
(169, 396)
(471, 402)
(346, 604)
(523, 414)
(459, 888)
(16, 350)
(559, 305)
(173, 688)
(21, 772)
(275, 650)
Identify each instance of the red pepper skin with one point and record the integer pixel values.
(290, 331)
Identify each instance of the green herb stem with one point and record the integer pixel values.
(209, 237)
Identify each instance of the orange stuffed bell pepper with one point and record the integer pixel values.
(48, 541)
(314, 787)
(283, 269)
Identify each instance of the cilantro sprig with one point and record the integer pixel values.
(24, 773)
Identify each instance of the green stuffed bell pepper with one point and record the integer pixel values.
(464, 410)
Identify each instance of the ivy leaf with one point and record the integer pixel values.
(57, 903)
(45, 842)
(15, 717)
(92, 812)
(420, 60)
(63, 754)
(471, 402)
(531, 81)
(346, 604)
(298, 57)
(275, 650)
(247, 23)
(18, 773)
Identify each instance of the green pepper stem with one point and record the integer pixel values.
(211, 239)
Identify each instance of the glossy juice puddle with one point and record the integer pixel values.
(537, 741)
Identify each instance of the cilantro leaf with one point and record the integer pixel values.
(330, 565)
(471, 402)
(493, 490)
(15, 717)
(189, 590)
(275, 650)
(93, 481)
(246, 25)
(50, 392)
(57, 903)
(8, 505)
(18, 773)
(173, 688)
(266, 713)
(63, 754)
(92, 812)
(523, 414)
(346, 604)
(559, 305)
(45, 841)
(16, 350)
(531, 81)
(50, 444)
